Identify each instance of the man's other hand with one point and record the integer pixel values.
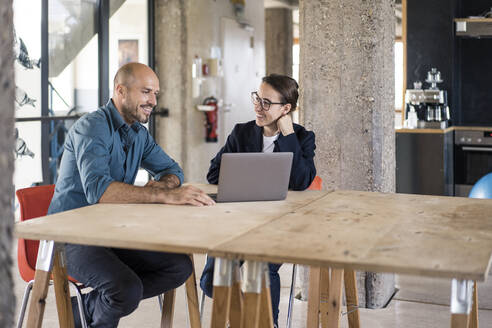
(187, 195)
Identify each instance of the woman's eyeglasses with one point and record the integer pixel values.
(264, 103)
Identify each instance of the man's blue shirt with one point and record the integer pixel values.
(101, 148)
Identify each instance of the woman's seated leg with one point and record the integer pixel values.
(207, 278)
(274, 289)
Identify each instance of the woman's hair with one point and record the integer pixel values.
(286, 86)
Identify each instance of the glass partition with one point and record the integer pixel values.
(61, 56)
(27, 49)
(73, 56)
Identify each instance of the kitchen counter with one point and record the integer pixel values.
(424, 161)
(451, 128)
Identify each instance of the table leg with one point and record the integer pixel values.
(192, 298)
(335, 298)
(222, 292)
(461, 302)
(44, 264)
(253, 272)
(62, 289)
(324, 306)
(350, 282)
(313, 297)
(167, 315)
(266, 315)
(236, 298)
(474, 311)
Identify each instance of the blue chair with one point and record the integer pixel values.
(483, 187)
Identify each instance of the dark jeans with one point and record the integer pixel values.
(206, 283)
(120, 278)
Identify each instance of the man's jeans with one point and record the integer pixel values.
(206, 283)
(120, 278)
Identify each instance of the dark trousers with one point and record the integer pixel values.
(120, 278)
(206, 284)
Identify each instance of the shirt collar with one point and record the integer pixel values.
(117, 119)
(259, 133)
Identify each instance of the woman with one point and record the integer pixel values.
(271, 131)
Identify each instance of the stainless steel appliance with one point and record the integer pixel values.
(429, 105)
(472, 158)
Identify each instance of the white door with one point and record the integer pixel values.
(239, 76)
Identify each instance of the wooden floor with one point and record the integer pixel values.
(420, 303)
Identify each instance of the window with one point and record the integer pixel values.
(66, 72)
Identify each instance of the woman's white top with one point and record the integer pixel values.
(269, 143)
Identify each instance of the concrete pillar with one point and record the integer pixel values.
(171, 58)
(7, 89)
(347, 99)
(278, 40)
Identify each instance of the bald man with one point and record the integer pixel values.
(102, 154)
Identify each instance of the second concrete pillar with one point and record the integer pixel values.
(347, 99)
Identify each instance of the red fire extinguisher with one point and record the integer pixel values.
(211, 117)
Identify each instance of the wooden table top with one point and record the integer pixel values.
(168, 228)
(448, 237)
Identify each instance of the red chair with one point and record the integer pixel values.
(315, 185)
(34, 202)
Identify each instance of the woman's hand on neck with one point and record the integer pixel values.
(285, 125)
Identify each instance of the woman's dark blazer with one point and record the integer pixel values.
(248, 138)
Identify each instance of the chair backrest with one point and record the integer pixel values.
(33, 202)
(482, 188)
(317, 184)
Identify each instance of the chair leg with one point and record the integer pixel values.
(160, 299)
(25, 299)
(202, 305)
(168, 309)
(291, 296)
(80, 304)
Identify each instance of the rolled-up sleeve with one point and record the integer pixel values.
(92, 153)
(158, 163)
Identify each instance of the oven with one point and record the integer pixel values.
(472, 158)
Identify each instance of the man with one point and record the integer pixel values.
(103, 152)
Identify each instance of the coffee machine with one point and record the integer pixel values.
(427, 108)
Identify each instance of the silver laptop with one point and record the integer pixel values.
(254, 176)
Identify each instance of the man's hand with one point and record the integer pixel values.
(187, 195)
(119, 192)
(284, 124)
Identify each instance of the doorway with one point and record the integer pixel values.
(239, 75)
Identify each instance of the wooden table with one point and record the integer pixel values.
(446, 237)
(345, 230)
(167, 228)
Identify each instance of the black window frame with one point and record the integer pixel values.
(103, 72)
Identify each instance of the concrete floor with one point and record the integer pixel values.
(420, 303)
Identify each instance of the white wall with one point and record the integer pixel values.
(204, 32)
(129, 22)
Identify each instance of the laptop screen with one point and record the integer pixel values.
(254, 176)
